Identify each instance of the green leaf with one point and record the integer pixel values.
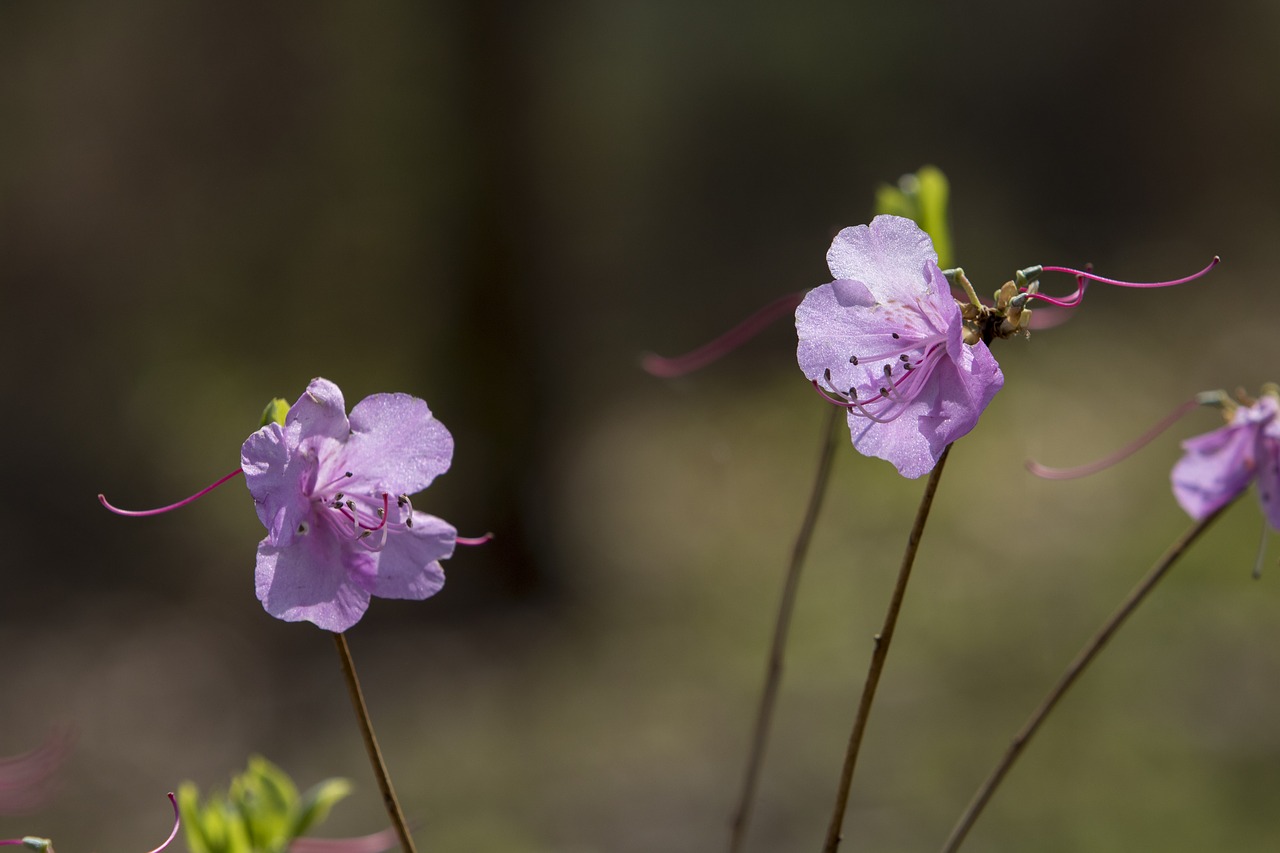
(267, 800)
(317, 803)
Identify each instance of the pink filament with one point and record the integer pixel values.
(143, 512)
(477, 540)
(374, 843)
(669, 368)
(177, 821)
(1123, 453)
(1083, 275)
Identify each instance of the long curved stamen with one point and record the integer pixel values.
(144, 512)
(374, 843)
(474, 540)
(1125, 452)
(31, 841)
(669, 368)
(847, 403)
(1086, 275)
(177, 821)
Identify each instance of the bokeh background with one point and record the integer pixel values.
(498, 206)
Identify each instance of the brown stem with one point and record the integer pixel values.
(371, 745)
(1077, 666)
(879, 653)
(777, 650)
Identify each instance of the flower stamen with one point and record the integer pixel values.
(1047, 473)
(137, 513)
(1084, 276)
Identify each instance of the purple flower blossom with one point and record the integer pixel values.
(1219, 465)
(886, 340)
(334, 494)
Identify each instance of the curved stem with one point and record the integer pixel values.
(1073, 671)
(777, 650)
(880, 653)
(371, 745)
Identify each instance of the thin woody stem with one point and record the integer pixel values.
(1073, 671)
(777, 651)
(371, 745)
(880, 653)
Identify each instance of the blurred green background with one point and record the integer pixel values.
(498, 206)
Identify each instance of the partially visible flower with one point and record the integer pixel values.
(26, 780)
(886, 340)
(334, 495)
(1219, 465)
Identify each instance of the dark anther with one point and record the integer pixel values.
(826, 374)
(896, 336)
(408, 522)
(401, 501)
(382, 513)
(337, 498)
(905, 357)
(853, 359)
(351, 505)
(888, 371)
(348, 474)
(884, 392)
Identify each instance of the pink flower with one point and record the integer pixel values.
(334, 494)
(886, 340)
(1219, 465)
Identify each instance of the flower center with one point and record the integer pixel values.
(890, 379)
(365, 518)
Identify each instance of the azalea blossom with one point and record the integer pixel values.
(1219, 465)
(886, 340)
(333, 494)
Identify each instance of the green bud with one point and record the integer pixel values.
(922, 197)
(274, 412)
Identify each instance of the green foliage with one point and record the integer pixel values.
(262, 811)
(922, 196)
(276, 410)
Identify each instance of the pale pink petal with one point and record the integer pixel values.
(312, 580)
(396, 444)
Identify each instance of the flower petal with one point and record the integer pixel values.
(1216, 467)
(408, 565)
(1268, 455)
(946, 409)
(275, 474)
(396, 444)
(887, 256)
(311, 580)
(320, 412)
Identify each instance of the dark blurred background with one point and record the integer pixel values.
(499, 206)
